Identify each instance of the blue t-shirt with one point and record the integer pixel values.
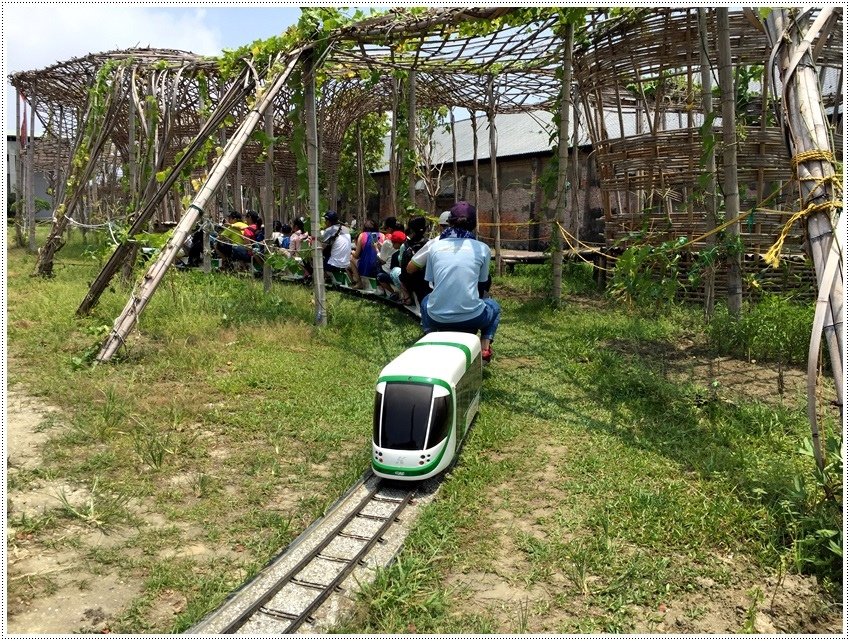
(455, 267)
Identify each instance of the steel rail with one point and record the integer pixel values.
(324, 590)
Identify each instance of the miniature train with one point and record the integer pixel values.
(425, 401)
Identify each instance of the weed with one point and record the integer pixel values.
(101, 510)
(26, 524)
(756, 596)
(152, 447)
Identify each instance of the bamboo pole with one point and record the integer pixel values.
(809, 145)
(137, 303)
(394, 156)
(455, 184)
(268, 195)
(476, 177)
(32, 247)
(312, 140)
(19, 175)
(730, 160)
(710, 164)
(62, 213)
(411, 136)
(563, 164)
(125, 253)
(361, 177)
(494, 172)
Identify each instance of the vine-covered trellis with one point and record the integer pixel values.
(163, 133)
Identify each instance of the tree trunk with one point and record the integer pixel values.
(730, 161)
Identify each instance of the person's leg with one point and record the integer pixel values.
(354, 274)
(493, 314)
(426, 322)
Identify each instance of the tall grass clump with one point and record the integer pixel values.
(771, 329)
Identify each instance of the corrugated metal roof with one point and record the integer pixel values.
(529, 133)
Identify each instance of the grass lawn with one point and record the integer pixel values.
(614, 481)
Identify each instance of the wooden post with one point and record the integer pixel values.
(730, 160)
(494, 173)
(710, 164)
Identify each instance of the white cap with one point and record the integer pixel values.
(444, 217)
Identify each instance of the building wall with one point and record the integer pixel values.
(523, 205)
(40, 181)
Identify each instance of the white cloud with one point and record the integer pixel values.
(39, 35)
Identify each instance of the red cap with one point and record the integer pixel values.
(398, 237)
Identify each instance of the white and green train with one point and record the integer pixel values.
(425, 401)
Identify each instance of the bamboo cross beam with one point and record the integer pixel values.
(238, 90)
(138, 301)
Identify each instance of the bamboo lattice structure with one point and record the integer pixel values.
(636, 80)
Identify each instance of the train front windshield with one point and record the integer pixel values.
(407, 415)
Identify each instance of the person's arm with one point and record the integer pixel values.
(358, 246)
(419, 259)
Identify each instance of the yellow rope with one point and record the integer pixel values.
(530, 222)
(593, 249)
(565, 233)
(772, 255)
(814, 154)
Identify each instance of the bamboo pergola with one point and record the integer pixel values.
(636, 82)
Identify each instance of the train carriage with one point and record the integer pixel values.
(425, 401)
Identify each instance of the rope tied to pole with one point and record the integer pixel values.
(814, 154)
(772, 255)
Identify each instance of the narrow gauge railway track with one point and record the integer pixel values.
(285, 596)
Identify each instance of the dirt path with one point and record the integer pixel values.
(52, 589)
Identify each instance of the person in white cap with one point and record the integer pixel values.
(420, 258)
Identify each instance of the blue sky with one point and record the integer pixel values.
(36, 35)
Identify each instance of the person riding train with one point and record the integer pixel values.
(457, 264)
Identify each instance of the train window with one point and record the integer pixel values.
(440, 421)
(376, 419)
(405, 417)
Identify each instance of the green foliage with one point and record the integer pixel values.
(373, 127)
(648, 274)
(771, 329)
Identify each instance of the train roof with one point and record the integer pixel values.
(443, 356)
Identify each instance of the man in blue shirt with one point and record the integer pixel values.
(456, 264)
